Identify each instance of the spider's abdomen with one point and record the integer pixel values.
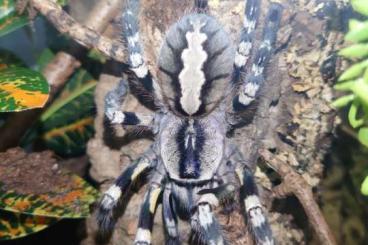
(195, 64)
(191, 150)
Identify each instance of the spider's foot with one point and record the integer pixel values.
(107, 205)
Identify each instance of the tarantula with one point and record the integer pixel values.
(192, 164)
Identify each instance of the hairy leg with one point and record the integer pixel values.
(141, 76)
(170, 219)
(106, 217)
(250, 86)
(205, 225)
(113, 102)
(148, 210)
(245, 45)
(254, 211)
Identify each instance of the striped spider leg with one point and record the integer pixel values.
(255, 76)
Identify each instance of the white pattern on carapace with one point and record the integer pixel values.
(192, 77)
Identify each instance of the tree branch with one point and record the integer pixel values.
(85, 36)
(295, 184)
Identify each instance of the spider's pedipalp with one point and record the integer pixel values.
(253, 81)
(147, 214)
(205, 225)
(254, 211)
(106, 216)
(170, 219)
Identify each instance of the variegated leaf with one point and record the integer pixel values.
(15, 225)
(72, 201)
(22, 89)
(10, 20)
(67, 124)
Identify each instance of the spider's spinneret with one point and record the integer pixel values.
(195, 64)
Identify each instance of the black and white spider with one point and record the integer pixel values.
(192, 164)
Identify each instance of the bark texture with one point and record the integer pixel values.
(294, 119)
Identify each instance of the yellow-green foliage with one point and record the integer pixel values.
(355, 79)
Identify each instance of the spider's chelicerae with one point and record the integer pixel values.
(193, 166)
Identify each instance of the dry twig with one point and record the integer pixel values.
(293, 183)
(79, 33)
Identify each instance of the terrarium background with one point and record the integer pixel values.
(301, 125)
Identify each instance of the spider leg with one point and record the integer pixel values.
(205, 225)
(141, 75)
(170, 219)
(147, 214)
(113, 101)
(106, 217)
(244, 48)
(257, 221)
(253, 81)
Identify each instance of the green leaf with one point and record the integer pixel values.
(22, 89)
(343, 101)
(361, 6)
(353, 71)
(71, 201)
(360, 89)
(355, 51)
(355, 24)
(97, 55)
(353, 112)
(67, 124)
(344, 86)
(363, 136)
(358, 33)
(364, 187)
(15, 225)
(9, 18)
